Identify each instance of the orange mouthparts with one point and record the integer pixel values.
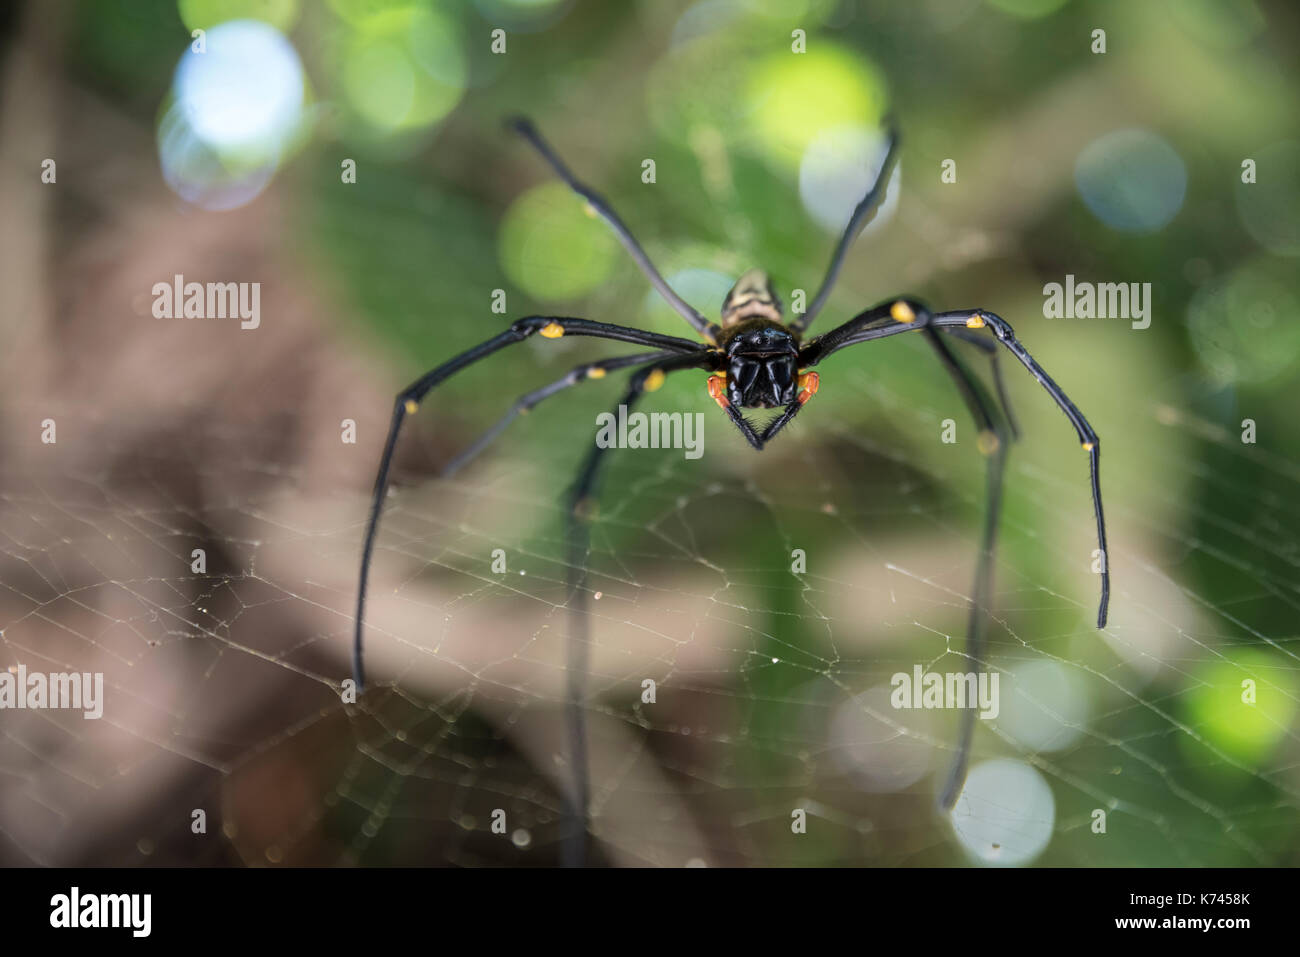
(808, 383)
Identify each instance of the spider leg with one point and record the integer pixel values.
(745, 428)
(600, 207)
(978, 318)
(579, 511)
(993, 443)
(862, 214)
(990, 348)
(526, 402)
(550, 327)
(898, 316)
(781, 421)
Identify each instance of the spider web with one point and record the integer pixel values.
(771, 685)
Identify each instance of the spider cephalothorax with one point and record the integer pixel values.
(754, 359)
(759, 358)
(762, 364)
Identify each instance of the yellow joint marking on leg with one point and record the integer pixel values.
(595, 372)
(411, 406)
(552, 330)
(589, 209)
(987, 442)
(654, 380)
(1087, 446)
(902, 312)
(975, 322)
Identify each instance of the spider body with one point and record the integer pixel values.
(754, 360)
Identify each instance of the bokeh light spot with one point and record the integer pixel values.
(702, 288)
(1131, 180)
(380, 81)
(233, 112)
(199, 174)
(882, 755)
(1245, 732)
(205, 14)
(1044, 706)
(1243, 325)
(1270, 207)
(1005, 814)
(837, 170)
(246, 90)
(791, 99)
(404, 68)
(550, 248)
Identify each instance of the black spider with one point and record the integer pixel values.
(755, 360)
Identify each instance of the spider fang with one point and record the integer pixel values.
(808, 383)
(902, 312)
(552, 330)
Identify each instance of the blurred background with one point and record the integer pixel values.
(349, 156)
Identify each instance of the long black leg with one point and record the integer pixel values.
(597, 204)
(885, 319)
(408, 399)
(579, 510)
(993, 442)
(893, 318)
(990, 348)
(863, 213)
(529, 400)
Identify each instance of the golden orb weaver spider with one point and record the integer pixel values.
(754, 359)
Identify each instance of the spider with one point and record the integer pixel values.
(755, 359)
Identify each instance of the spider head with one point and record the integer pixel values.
(762, 365)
